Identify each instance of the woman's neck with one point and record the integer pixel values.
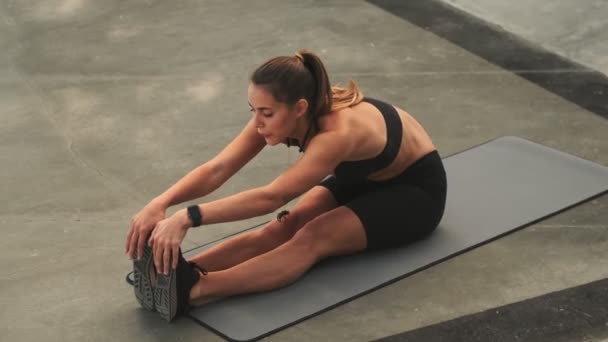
(305, 130)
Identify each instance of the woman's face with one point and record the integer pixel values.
(275, 121)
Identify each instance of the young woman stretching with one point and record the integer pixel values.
(370, 178)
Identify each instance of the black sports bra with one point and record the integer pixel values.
(358, 170)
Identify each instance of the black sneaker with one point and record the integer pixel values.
(144, 274)
(173, 290)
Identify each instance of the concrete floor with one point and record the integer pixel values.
(106, 104)
(572, 29)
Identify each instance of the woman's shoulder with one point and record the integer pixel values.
(334, 126)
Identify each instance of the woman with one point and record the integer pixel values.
(387, 188)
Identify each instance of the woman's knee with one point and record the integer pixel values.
(314, 203)
(307, 242)
(311, 236)
(282, 230)
(334, 233)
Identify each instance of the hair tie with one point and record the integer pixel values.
(300, 57)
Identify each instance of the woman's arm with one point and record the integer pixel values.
(322, 156)
(324, 153)
(212, 174)
(199, 182)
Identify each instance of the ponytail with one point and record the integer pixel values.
(290, 78)
(343, 98)
(321, 101)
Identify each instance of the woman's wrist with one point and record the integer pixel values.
(184, 219)
(161, 201)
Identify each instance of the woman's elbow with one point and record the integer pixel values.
(275, 199)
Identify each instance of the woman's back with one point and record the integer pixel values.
(367, 126)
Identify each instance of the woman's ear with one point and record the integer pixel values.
(301, 107)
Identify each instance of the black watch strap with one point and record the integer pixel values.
(194, 213)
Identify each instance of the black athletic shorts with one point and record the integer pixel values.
(400, 210)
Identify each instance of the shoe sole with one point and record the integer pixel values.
(165, 295)
(142, 284)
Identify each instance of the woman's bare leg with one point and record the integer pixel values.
(247, 245)
(336, 232)
(251, 244)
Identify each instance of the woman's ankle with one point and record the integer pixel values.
(198, 294)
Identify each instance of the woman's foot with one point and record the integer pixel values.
(172, 292)
(144, 275)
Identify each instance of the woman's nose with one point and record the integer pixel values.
(258, 122)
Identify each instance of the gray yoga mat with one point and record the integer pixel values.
(493, 189)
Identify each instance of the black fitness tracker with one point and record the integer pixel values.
(194, 213)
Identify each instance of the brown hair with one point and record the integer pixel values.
(290, 78)
(348, 97)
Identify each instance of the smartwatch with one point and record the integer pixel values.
(194, 214)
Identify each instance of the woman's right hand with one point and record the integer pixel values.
(142, 225)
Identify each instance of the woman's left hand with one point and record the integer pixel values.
(166, 240)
